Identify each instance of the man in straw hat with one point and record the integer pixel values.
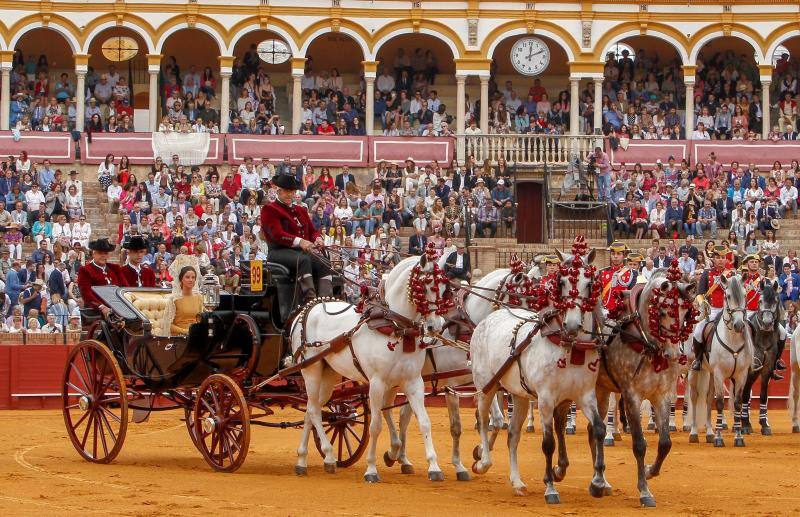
(292, 238)
(617, 277)
(712, 292)
(99, 272)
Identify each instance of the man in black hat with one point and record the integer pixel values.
(99, 272)
(291, 237)
(137, 274)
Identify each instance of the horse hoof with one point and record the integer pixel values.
(724, 426)
(477, 452)
(686, 429)
(796, 429)
(648, 472)
(607, 491)
(530, 429)
(596, 491)
(463, 476)
(719, 442)
(709, 438)
(693, 438)
(330, 468)
(766, 431)
(651, 426)
(477, 468)
(738, 442)
(647, 501)
(505, 425)
(300, 471)
(608, 442)
(570, 430)
(673, 429)
(552, 499)
(387, 460)
(747, 430)
(617, 436)
(372, 478)
(559, 474)
(406, 469)
(436, 475)
(521, 491)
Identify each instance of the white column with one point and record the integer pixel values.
(765, 109)
(152, 99)
(460, 103)
(297, 101)
(5, 96)
(598, 105)
(689, 116)
(485, 104)
(225, 102)
(80, 97)
(574, 106)
(369, 78)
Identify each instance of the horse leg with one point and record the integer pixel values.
(736, 395)
(647, 409)
(639, 448)
(603, 400)
(661, 409)
(514, 434)
(561, 417)
(462, 474)
(686, 414)
(496, 420)
(612, 432)
(719, 399)
(744, 414)
(414, 390)
(672, 426)
(766, 430)
(377, 396)
(572, 424)
(588, 403)
(312, 378)
(396, 439)
(482, 453)
(530, 427)
(794, 395)
(500, 399)
(548, 448)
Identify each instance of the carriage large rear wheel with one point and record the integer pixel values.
(95, 402)
(222, 423)
(346, 424)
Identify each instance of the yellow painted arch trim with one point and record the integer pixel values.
(444, 31)
(720, 27)
(653, 30)
(366, 38)
(499, 33)
(132, 19)
(181, 19)
(54, 19)
(256, 20)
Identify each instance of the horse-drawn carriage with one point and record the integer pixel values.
(222, 374)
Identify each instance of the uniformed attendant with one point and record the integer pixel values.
(292, 238)
(99, 272)
(634, 260)
(712, 292)
(137, 274)
(617, 277)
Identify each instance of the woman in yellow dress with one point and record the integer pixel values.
(187, 305)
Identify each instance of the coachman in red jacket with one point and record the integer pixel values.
(291, 237)
(137, 274)
(99, 272)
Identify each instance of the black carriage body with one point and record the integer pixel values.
(239, 337)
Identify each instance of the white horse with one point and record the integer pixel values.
(370, 357)
(794, 388)
(730, 355)
(489, 289)
(542, 370)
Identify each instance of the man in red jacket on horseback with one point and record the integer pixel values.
(712, 292)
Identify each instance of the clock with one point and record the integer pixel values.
(273, 51)
(530, 56)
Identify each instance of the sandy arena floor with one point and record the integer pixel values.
(160, 473)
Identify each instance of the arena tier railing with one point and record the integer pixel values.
(527, 149)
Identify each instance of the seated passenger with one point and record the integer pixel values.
(185, 302)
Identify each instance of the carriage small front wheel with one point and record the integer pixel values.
(346, 424)
(222, 423)
(94, 402)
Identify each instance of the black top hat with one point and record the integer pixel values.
(136, 242)
(286, 181)
(101, 245)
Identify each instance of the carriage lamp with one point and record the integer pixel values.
(209, 289)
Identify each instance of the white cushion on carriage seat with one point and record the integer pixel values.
(151, 304)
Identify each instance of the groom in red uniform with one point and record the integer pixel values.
(137, 274)
(99, 272)
(291, 237)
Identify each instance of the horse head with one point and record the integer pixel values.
(430, 292)
(735, 308)
(768, 306)
(576, 292)
(666, 306)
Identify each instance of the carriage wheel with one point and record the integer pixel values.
(188, 413)
(346, 424)
(222, 423)
(95, 402)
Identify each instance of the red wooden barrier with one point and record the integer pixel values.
(423, 150)
(647, 152)
(137, 147)
(320, 150)
(763, 153)
(57, 147)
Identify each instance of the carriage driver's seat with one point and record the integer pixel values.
(152, 305)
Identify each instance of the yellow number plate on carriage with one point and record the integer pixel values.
(256, 272)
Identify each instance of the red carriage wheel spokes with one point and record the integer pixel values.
(221, 423)
(94, 400)
(346, 424)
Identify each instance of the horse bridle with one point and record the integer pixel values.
(729, 321)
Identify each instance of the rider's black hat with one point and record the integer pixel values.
(286, 181)
(136, 242)
(101, 245)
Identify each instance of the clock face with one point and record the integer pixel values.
(530, 56)
(273, 51)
